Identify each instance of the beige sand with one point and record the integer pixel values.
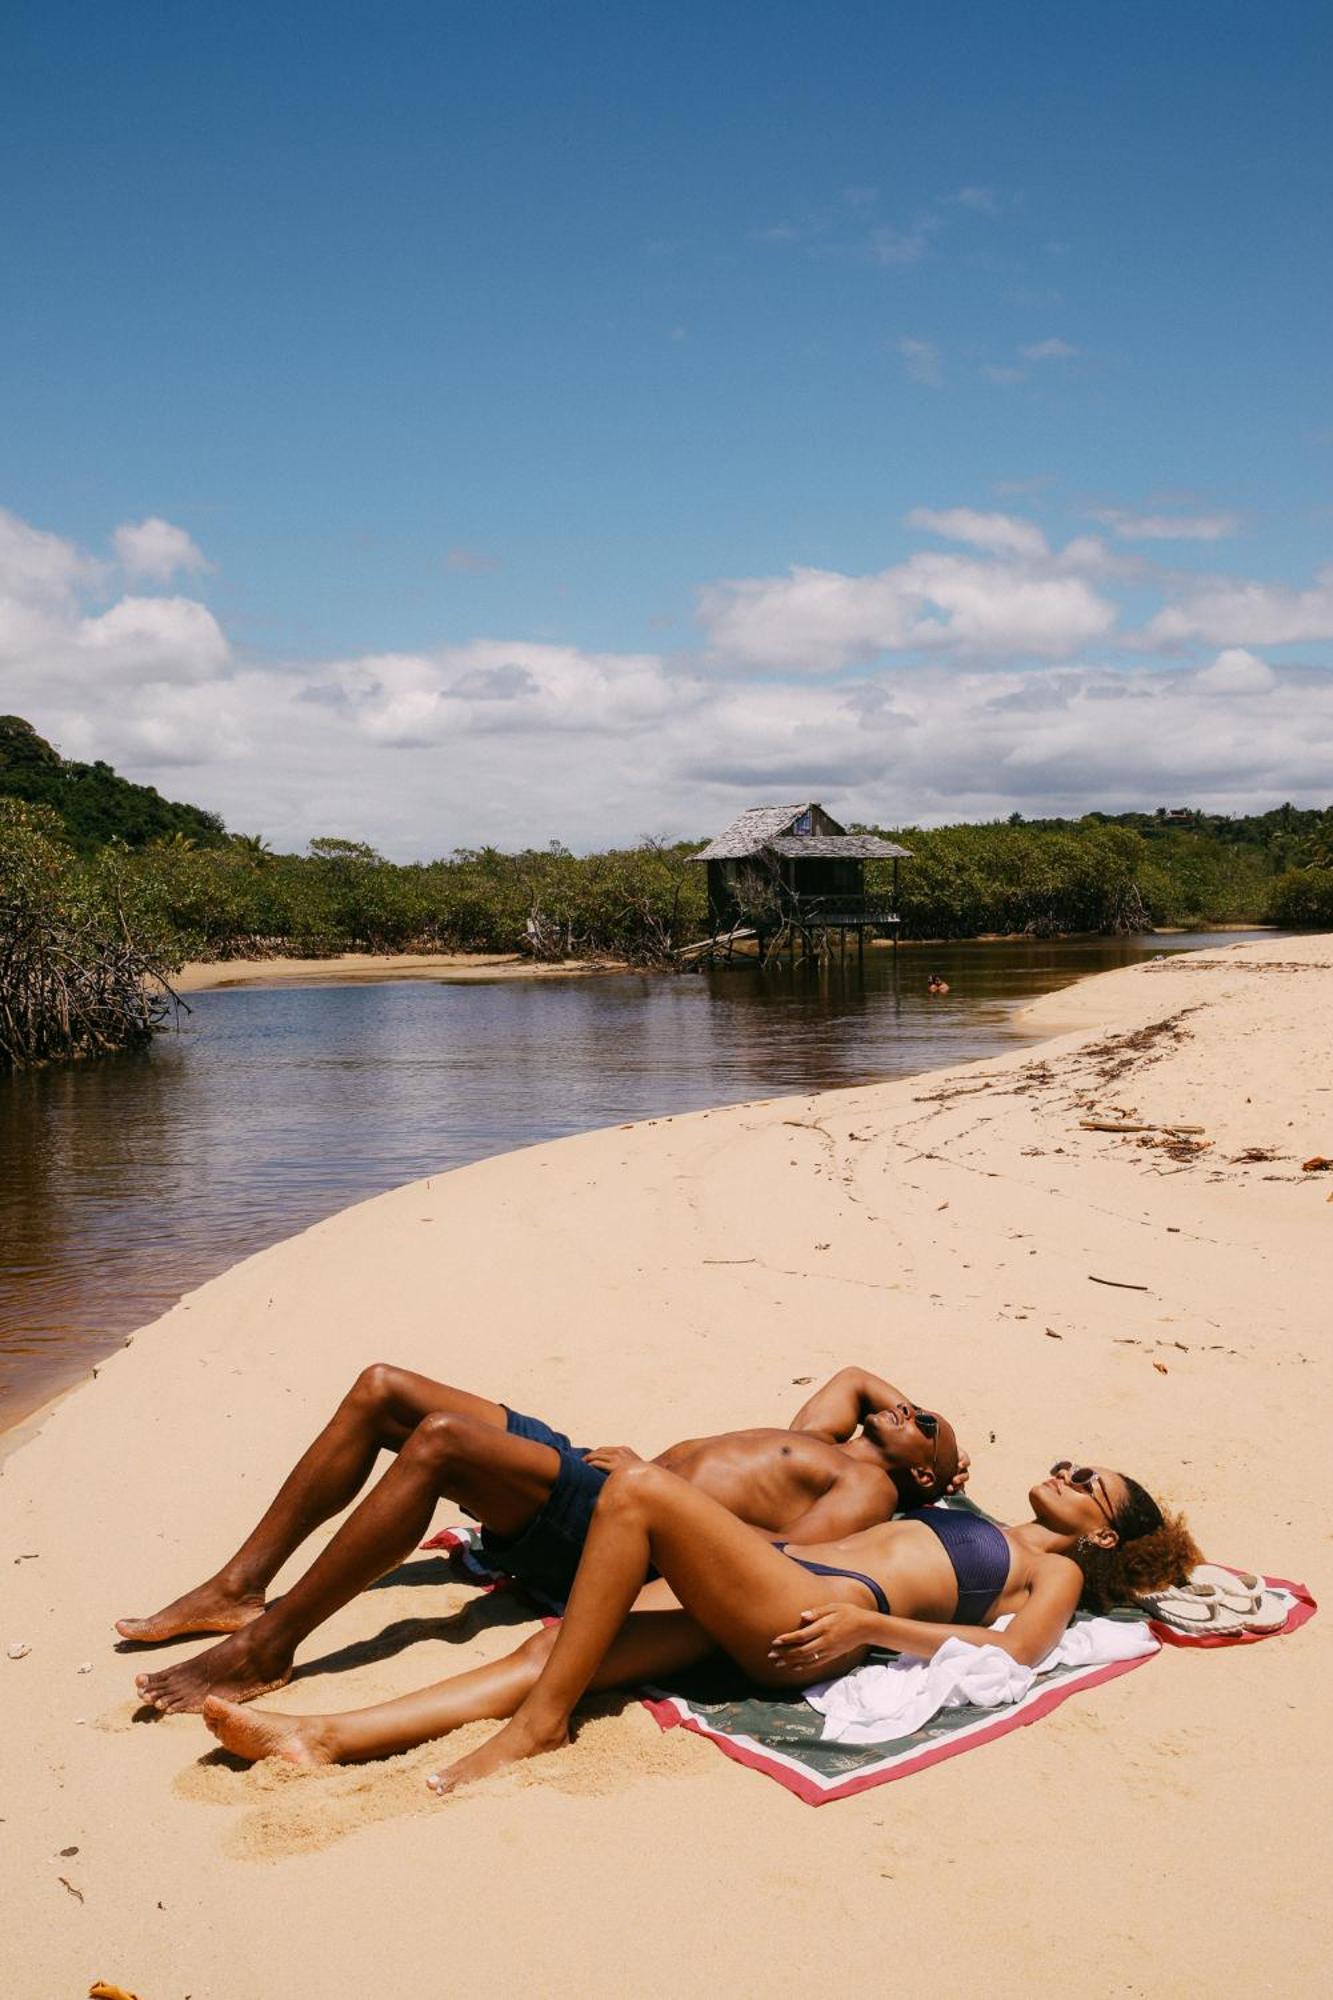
(358, 968)
(1165, 1834)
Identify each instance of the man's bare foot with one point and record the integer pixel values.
(515, 1742)
(210, 1608)
(257, 1732)
(235, 1669)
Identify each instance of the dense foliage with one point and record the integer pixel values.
(963, 881)
(172, 884)
(634, 903)
(1302, 899)
(641, 903)
(82, 970)
(1131, 871)
(92, 804)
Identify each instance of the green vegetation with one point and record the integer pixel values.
(1302, 899)
(91, 803)
(83, 970)
(104, 884)
(241, 901)
(1115, 872)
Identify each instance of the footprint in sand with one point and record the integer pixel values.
(290, 1810)
(125, 1716)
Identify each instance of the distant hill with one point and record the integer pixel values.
(95, 803)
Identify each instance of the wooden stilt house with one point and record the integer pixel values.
(794, 871)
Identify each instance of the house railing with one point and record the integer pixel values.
(838, 912)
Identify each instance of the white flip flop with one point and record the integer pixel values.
(1239, 1590)
(1188, 1609)
(1271, 1613)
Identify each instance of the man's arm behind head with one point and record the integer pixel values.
(841, 1405)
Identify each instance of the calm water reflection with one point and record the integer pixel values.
(123, 1184)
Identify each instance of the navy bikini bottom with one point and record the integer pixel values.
(828, 1569)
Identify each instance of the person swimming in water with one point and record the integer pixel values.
(1096, 1538)
(937, 983)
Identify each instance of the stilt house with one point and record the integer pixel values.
(794, 867)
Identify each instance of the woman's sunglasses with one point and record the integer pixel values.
(1087, 1481)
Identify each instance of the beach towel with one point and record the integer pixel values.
(885, 1701)
(939, 1708)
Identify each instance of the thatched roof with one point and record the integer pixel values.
(756, 829)
(838, 847)
(767, 829)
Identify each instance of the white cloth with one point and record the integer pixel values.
(879, 1704)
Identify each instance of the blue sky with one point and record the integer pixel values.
(579, 420)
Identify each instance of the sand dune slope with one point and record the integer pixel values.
(1166, 1834)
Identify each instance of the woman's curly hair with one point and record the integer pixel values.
(1155, 1549)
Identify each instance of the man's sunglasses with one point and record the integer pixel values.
(929, 1426)
(1087, 1481)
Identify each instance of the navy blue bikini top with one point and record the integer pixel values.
(980, 1557)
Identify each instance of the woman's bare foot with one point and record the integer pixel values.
(257, 1732)
(519, 1739)
(210, 1608)
(235, 1668)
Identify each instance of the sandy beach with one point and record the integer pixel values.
(1164, 1834)
(358, 968)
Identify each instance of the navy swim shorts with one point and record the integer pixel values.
(546, 1554)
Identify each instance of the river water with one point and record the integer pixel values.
(125, 1183)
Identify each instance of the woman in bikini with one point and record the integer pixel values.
(1095, 1538)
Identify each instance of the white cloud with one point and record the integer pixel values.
(1236, 672)
(819, 621)
(921, 358)
(157, 551)
(497, 688)
(1001, 534)
(38, 567)
(515, 742)
(1228, 611)
(41, 577)
(1169, 527)
(155, 639)
(1049, 350)
(946, 742)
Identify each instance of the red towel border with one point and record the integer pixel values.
(1301, 1612)
(668, 1715)
(671, 1712)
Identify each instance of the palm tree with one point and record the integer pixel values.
(254, 847)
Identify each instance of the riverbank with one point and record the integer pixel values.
(687, 1274)
(354, 968)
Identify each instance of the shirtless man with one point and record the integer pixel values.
(855, 1452)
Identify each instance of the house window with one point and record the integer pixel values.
(805, 824)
